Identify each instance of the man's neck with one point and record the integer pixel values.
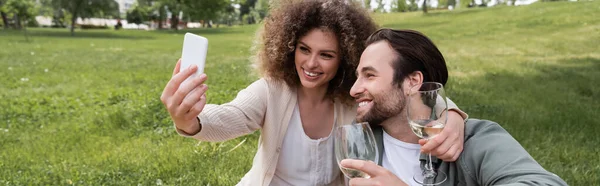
(398, 128)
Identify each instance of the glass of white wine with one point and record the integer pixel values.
(426, 122)
(355, 141)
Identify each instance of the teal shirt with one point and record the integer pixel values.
(491, 156)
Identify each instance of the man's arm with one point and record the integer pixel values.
(493, 157)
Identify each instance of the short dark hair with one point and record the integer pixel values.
(415, 52)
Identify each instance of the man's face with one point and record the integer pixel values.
(377, 96)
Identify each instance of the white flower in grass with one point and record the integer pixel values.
(45, 70)
(159, 182)
(32, 53)
(24, 79)
(9, 68)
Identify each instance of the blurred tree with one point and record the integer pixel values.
(157, 9)
(413, 6)
(228, 16)
(451, 3)
(245, 6)
(174, 7)
(3, 14)
(21, 10)
(424, 6)
(206, 10)
(138, 14)
(261, 8)
(380, 6)
(193, 10)
(86, 9)
(368, 4)
(442, 3)
(399, 6)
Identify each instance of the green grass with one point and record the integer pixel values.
(94, 116)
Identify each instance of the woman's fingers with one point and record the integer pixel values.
(191, 99)
(177, 67)
(168, 88)
(197, 108)
(186, 88)
(174, 84)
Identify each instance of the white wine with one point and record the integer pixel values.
(426, 128)
(353, 173)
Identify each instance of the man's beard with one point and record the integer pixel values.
(384, 107)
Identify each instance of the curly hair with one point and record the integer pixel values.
(293, 19)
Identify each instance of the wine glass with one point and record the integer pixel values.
(426, 122)
(355, 141)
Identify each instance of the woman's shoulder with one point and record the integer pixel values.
(270, 88)
(273, 85)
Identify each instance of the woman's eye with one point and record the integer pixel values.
(303, 49)
(326, 56)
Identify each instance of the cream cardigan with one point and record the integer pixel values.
(265, 105)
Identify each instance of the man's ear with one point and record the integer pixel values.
(414, 78)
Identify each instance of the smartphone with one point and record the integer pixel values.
(194, 52)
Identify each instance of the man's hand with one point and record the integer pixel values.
(379, 175)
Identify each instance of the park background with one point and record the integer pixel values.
(81, 106)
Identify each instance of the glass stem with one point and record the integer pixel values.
(429, 172)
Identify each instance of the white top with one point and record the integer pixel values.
(305, 161)
(401, 158)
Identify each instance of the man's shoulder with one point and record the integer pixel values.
(475, 127)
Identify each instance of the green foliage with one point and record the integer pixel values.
(399, 6)
(85, 110)
(192, 10)
(368, 4)
(205, 9)
(413, 6)
(23, 9)
(380, 6)
(245, 6)
(138, 14)
(84, 9)
(87, 8)
(443, 3)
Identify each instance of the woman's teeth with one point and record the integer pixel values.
(311, 74)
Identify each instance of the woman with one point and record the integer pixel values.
(311, 50)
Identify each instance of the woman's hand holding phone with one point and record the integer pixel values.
(185, 101)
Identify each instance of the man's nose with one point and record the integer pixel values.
(356, 89)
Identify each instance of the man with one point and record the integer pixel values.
(395, 60)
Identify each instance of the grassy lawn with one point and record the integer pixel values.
(85, 110)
